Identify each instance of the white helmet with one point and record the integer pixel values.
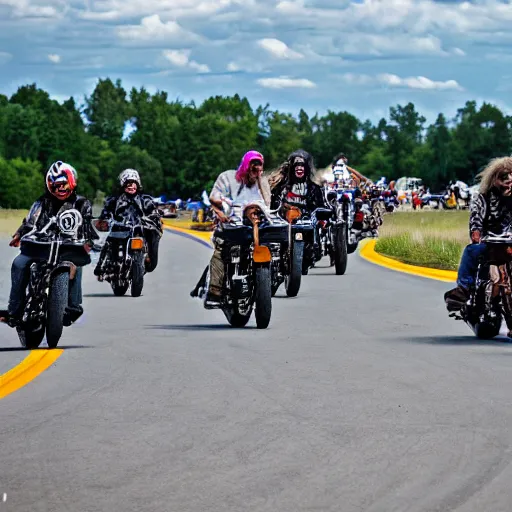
(129, 175)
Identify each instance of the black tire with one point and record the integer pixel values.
(153, 241)
(263, 297)
(487, 331)
(340, 249)
(57, 302)
(30, 339)
(351, 248)
(119, 288)
(236, 319)
(137, 274)
(292, 281)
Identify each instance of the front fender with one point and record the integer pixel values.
(65, 266)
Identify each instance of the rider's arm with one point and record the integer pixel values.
(30, 220)
(89, 234)
(109, 208)
(358, 175)
(221, 188)
(478, 212)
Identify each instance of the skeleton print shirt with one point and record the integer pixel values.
(490, 212)
(128, 209)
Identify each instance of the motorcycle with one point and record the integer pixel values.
(491, 297)
(287, 258)
(247, 257)
(122, 260)
(58, 252)
(331, 239)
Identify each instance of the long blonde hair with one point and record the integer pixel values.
(490, 174)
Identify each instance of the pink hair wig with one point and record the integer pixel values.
(243, 169)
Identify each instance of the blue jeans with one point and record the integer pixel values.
(469, 264)
(19, 282)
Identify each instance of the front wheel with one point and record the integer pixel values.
(263, 297)
(340, 249)
(30, 339)
(292, 281)
(57, 302)
(137, 274)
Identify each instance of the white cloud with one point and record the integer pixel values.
(152, 29)
(413, 82)
(401, 44)
(458, 51)
(284, 82)
(181, 58)
(110, 10)
(417, 82)
(54, 58)
(233, 66)
(279, 49)
(31, 9)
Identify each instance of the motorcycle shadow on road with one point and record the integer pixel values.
(22, 349)
(104, 296)
(200, 327)
(458, 340)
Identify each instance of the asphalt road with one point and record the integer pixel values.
(361, 396)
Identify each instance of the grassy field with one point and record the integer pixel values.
(433, 239)
(10, 220)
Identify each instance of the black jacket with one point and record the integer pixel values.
(308, 193)
(125, 208)
(48, 206)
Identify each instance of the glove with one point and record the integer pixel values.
(15, 242)
(476, 236)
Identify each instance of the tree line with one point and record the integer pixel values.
(180, 148)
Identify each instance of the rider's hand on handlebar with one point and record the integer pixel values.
(15, 242)
(476, 236)
(223, 217)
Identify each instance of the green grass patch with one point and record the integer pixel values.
(433, 239)
(10, 220)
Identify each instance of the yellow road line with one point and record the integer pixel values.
(201, 235)
(26, 371)
(368, 253)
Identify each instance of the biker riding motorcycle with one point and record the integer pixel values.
(61, 185)
(361, 190)
(491, 212)
(131, 203)
(293, 183)
(245, 185)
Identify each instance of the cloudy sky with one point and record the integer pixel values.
(361, 56)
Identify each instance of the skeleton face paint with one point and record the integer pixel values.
(504, 183)
(299, 167)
